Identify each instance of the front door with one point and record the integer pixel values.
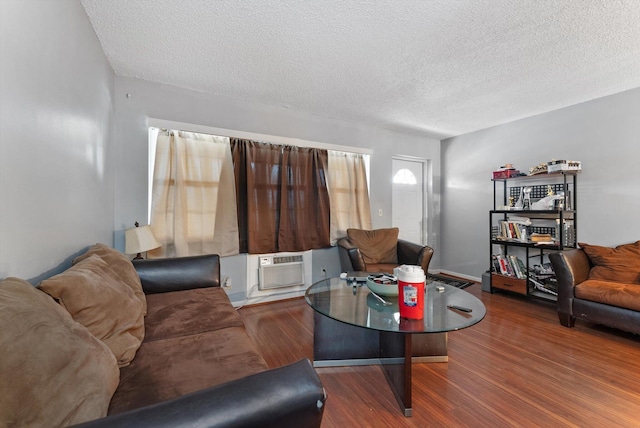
(408, 212)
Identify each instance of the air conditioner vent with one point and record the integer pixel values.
(286, 259)
(281, 272)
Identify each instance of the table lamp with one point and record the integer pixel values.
(139, 240)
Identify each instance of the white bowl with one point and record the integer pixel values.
(387, 286)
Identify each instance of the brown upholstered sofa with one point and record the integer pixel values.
(380, 250)
(599, 285)
(172, 352)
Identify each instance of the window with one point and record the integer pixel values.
(344, 176)
(193, 209)
(404, 176)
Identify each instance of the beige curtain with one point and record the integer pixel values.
(348, 194)
(193, 203)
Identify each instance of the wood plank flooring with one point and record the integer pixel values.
(517, 368)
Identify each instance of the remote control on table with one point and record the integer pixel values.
(459, 308)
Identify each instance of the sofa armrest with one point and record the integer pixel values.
(350, 257)
(414, 254)
(571, 267)
(178, 273)
(288, 396)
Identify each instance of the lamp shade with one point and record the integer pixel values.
(139, 240)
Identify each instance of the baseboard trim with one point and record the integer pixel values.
(460, 275)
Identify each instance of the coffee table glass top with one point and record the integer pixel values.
(355, 305)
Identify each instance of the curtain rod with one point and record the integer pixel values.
(190, 127)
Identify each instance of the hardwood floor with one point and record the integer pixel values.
(517, 367)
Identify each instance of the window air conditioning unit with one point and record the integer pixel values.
(281, 272)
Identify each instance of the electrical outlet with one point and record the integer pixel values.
(380, 212)
(226, 282)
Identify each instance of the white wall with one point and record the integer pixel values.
(151, 100)
(73, 146)
(56, 111)
(603, 134)
(67, 181)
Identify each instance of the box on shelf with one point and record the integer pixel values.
(563, 165)
(505, 173)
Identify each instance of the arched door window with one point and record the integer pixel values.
(404, 176)
(408, 208)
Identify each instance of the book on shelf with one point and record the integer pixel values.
(514, 267)
(505, 266)
(509, 265)
(522, 267)
(496, 263)
(513, 230)
(541, 237)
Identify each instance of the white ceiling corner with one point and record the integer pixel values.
(439, 68)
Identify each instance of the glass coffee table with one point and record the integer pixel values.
(352, 327)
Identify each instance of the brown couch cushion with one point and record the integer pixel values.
(121, 265)
(186, 312)
(381, 267)
(620, 264)
(169, 368)
(95, 296)
(53, 371)
(376, 246)
(610, 293)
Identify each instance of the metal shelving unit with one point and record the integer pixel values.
(514, 238)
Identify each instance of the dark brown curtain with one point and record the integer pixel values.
(238, 154)
(304, 205)
(257, 171)
(282, 197)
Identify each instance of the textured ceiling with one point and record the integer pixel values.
(439, 67)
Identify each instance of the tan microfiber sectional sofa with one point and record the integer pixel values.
(600, 285)
(158, 344)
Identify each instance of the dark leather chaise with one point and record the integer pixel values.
(611, 303)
